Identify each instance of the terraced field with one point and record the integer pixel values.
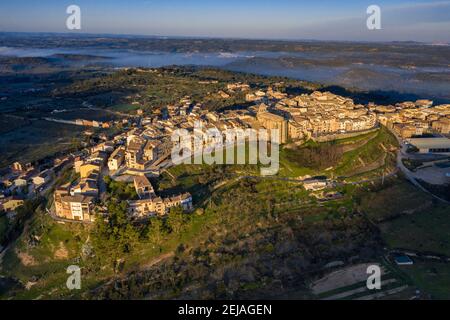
(350, 283)
(366, 155)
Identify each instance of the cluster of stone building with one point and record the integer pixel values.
(21, 182)
(133, 151)
(71, 206)
(92, 123)
(149, 204)
(298, 117)
(410, 119)
(11, 203)
(143, 149)
(31, 177)
(308, 116)
(323, 113)
(140, 152)
(75, 201)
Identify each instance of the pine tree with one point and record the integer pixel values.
(155, 232)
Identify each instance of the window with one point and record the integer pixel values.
(440, 150)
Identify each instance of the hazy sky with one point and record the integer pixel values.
(418, 20)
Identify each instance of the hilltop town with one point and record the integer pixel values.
(198, 151)
(115, 201)
(143, 150)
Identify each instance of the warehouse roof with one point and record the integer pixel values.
(430, 143)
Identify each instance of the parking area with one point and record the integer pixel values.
(434, 175)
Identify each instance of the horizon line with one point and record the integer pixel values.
(196, 37)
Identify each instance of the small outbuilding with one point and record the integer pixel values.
(403, 261)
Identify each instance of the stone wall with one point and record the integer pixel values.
(337, 136)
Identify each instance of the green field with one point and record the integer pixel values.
(10, 123)
(38, 140)
(124, 107)
(394, 200)
(43, 253)
(431, 278)
(363, 157)
(426, 230)
(409, 219)
(291, 169)
(368, 153)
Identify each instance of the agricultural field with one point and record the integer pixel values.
(37, 140)
(84, 113)
(350, 283)
(123, 107)
(355, 158)
(10, 123)
(431, 278)
(393, 201)
(425, 230)
(369, 154)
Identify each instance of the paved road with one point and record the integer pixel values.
(52, 182)
(60, 121)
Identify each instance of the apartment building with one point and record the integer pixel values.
(134, 153)
(158, 206)
(151, 150)
(149, 204)
(87, 168)
(116, 159)
(144, 188)
(409, 129)
(442, 125)
(11, 203)
(87, 186)
(77, 207)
